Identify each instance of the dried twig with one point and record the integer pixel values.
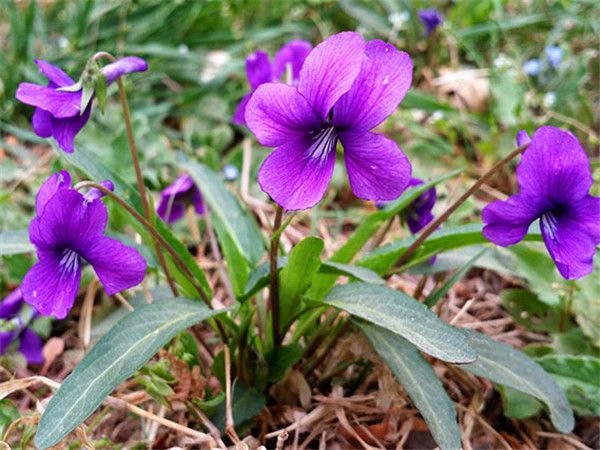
(229, 423)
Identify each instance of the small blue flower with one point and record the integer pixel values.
(230, 172)
(554, 55)
(532, 67)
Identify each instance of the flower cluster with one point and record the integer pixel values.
(68, 228)
(177, 197)
(554, 180)
(57, 113)
(346, 87)
(260, 70)
(14, 326)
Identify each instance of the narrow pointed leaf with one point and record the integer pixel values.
(295, 278)
(241, 227)
(403, 315)
(116, 356)
(421, 383)
(384, 258)
(506, 365)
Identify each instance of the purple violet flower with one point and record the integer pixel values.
(418, 214)
(431, 18)
(345, 89)
(67, 229)
(554, 182)
(57, 112)
(177, 196)
(30, 344)
(260, 70)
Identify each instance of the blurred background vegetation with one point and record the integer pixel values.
(470, 92)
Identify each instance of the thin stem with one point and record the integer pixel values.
(214, 246)
(564, 317)
(140, 181)
(155, 234)
(434, 224)
(274, 297)
(229, 422)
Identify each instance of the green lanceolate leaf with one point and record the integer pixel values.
(15, 242)
(116, 356)
(240, 226)
(420, 382)
(237, 266)
(403, 315)
(579, 376)
(382, 259)
(295, 278)
(367, 229)
(91, 166)
(506, 365)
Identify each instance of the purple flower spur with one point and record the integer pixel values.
(68, 228)
(345, 89)
(431, 18)
(177, 197)
(12, 328)
(554, 181)
(260, 70)
(57, 112)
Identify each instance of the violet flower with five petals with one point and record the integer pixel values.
(345, 89)
(260, 70)
(57, 113)
(554, 181)
(30, 344)
(68, 228)
(177, 196)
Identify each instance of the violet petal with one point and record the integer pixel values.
(377, 168)
(118, 266)
(329, 71)
(294, 179)
(42, 123)
(293, 53)
(56, 76)
(383, 81)
(51, 284)
(258, 69)
(55, 182)
(58, 103)
(31, 346)
(123, 66)
(278, 113)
